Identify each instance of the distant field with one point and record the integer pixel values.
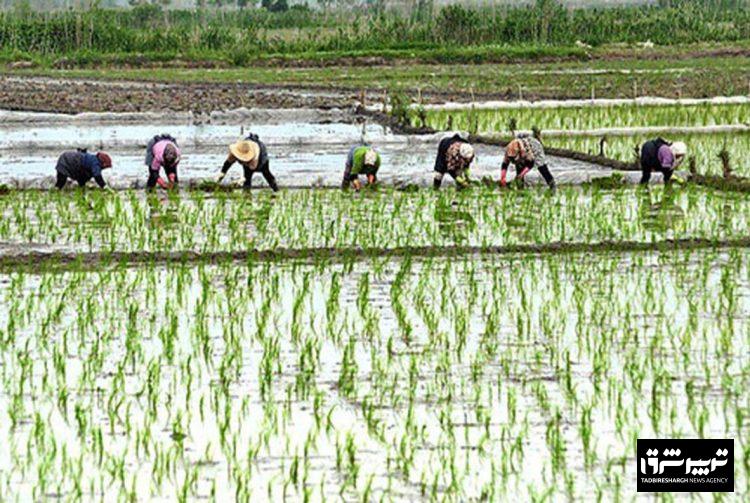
(607, 78)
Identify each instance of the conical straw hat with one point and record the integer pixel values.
(245, 150)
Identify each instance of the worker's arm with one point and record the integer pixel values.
(523, 173)
(357, 165)
(230, 160)
(154, 174)
(373, 177)
(154, 179)
(96, 173)
(462, 178)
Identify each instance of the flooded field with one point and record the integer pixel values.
(395, 344)
(302, 154)
(468, 378)
(309, 336)
(205, 222)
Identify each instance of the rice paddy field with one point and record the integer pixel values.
(468, 378)
(707, 128)
(397, 344)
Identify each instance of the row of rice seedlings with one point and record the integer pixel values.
(331, 219)
(505, 121)
(705, 149)
(439, 379)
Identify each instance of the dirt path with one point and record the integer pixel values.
(65, 95)
(15, 256)
(69, 95)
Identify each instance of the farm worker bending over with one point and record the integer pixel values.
(162, 152)
(454, 157)
(660, 155)
(362, 160)
(81, 166)
(251, 153)
(526, 153)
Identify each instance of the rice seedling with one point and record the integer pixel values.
(368, 378)
(506, 121)
(577, 129)
(705, 149)
(230, 222)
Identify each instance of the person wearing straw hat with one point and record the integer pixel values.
(660, 155)
(362, 160)
(251, 153)
(162, 152)
(454, 157)
(81, 166)
(525, 153)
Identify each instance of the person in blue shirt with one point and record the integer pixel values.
(81, 166)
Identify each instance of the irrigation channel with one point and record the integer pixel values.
(325, 345)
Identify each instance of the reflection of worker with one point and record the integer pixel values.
(81, 166)
(162, 152)
(661, 213)
(454, 157)
(252, 155)
(660, 155)
(362, 160)
(453, 224)
(526, 153)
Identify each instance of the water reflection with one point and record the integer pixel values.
(454, 224)
(660, 212)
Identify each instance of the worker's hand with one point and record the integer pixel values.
(503, 181)
(220, 177)
(172, 180)
(357, 184)
(371, 179)
(161, 183)
(523, 174)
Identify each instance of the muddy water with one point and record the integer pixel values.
(303, 153)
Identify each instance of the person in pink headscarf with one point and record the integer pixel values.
(162, 152)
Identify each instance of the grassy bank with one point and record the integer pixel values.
(451, 34)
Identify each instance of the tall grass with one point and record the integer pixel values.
(244, 34)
